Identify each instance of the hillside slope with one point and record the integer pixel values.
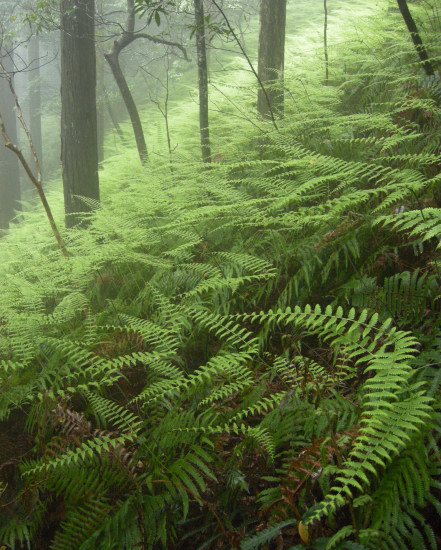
(245, 356)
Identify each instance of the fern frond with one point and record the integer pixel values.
(265, 536)
(422, 225)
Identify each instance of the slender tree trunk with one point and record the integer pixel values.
(100, 90)
(167, 126)
(128, 36)
(325, 41)
(79, 154)
(164, 112)
(112, 117)
(246, 56)
(100, 109)
(113, 59)
(202, 79)
(271, 57)
(416, 38)
(35, 98)
(9, 173)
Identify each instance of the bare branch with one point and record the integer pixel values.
(159, 40)
(35, 179)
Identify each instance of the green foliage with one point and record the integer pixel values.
(257, 541)
(169, 382)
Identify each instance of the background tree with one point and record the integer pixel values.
(325, 40)
(79, 153)
(33, 175)
(163, 105)
(100, 89)
(416, 38)
(127, 36)
(271, 57)
(9, 173)
(41, 27)
(201, 52)
(34, 91)
(202, 26)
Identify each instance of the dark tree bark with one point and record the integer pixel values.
(35, 97)
(9, 173)
(271, 57)
(100, 91)
(202, 79)
(79, 155)
(416, 38)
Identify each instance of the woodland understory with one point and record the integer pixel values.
(246, 354)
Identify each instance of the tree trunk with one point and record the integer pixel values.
(325, 41)
(113, 59)
(35, 98)
(79, 155)
(100, 90)
(112, 117)
(202, 79)
(100, 109)
(418, 43)
(271, 57)
(9, 173)
(128, 36)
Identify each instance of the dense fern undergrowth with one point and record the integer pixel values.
(246, 356)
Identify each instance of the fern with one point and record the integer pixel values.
(394, 407)
(421, 225)
(265, 536)
(170, 380)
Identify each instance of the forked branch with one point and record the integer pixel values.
(34, 178)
